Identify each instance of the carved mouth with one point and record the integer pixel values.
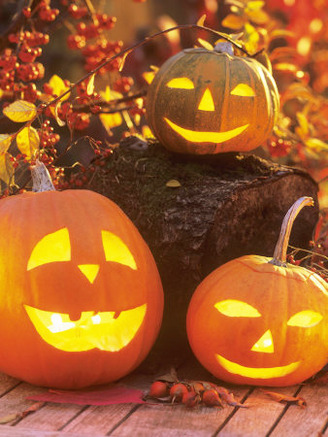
(257, 372)
(107, 331)
(206, 137)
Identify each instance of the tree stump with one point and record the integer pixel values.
(218, 208)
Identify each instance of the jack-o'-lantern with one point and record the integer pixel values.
(205, 102)
(261, 321)
(81, 300)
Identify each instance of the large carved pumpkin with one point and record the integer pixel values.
(206, 102)
(261, 321)
(81, 300)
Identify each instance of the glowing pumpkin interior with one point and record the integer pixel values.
(265, 343)
(106, 330)
(205, 102)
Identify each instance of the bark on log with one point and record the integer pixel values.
(226, 206)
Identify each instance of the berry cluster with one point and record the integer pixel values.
(278, 147)
(192, 393)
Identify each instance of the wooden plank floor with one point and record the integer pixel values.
(264, 417)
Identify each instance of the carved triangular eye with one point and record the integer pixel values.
(243, 90)
(236, 308)
(54, 247)
(181, 83)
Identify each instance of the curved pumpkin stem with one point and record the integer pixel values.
(280, 251)
(41, 178)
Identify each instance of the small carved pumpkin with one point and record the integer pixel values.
(261, 321)
(81, 300)
(206, 102)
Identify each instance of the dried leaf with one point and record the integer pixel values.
(6, 168)
(278, 397)
(228, 397)
(173, 183)
(9, 418)
(54, 111)
(201, 20)
(20, 111)
(171, 377)
(34, 407)
(91, 85)
(5, 141)
(28, 141)
(114, 394)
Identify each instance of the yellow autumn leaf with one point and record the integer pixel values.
(147, 133)
(258, 17)
(6, 168)
(122, 60)
(20, 111)
(173, 183)
(148, 76)
(316, 144)
(255, 5)
(201, 20)
(303, 124)
(285, 66)
(109, 94)
(5, 141)
(233, 21)
(205, 44)
(111, 120)
(58, 87)
(91, 85)
(28, 141)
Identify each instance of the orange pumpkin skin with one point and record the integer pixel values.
(276, 294)
(77, 350)
(226, 103)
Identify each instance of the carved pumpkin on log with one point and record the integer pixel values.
(207, 102)
(81, 300)
(261, 321)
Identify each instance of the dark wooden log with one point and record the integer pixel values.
(224, 207)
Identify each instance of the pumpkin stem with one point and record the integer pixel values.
(41, 179)
(280, 251)
(224, 47)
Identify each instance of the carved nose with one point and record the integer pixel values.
(90, 271)
(264, 344)
(206, 102)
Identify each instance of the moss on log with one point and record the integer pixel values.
(223, 207)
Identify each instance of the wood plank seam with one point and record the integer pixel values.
(133, 409)
(281, 415)
(233, 412)
(324, 428)
(61, 428)
(10, 389)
